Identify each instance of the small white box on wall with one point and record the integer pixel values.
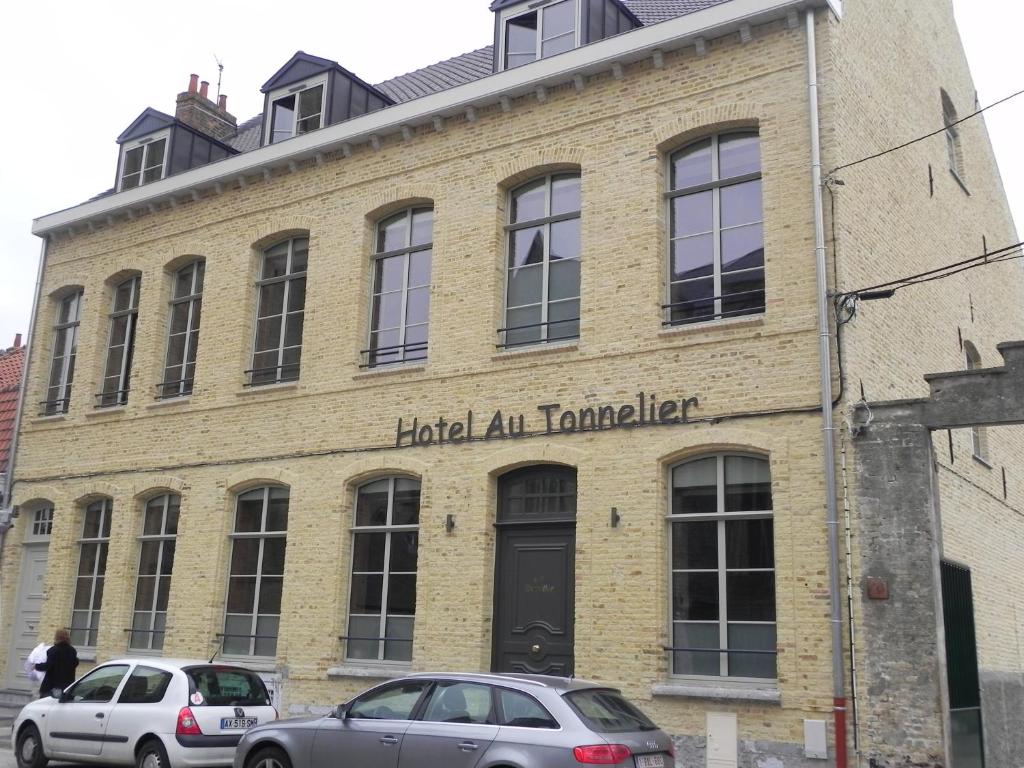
(722, 740)
(815, 739)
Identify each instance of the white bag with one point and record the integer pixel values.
(36, 656)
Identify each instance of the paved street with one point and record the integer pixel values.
(7, 756)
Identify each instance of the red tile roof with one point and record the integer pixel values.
(11, 361)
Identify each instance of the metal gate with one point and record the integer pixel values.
(962, 667)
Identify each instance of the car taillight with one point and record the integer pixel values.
(187, 725)
(671, 749)
(601, 754)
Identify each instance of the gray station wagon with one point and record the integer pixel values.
(466, 721)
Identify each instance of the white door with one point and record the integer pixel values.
(26, 621)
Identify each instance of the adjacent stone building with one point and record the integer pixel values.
(511, 363)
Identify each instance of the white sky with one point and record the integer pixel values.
(77, 73)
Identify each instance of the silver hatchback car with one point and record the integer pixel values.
(466, 721)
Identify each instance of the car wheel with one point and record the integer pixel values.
(152, 755)
(268, 757)
(29, 749)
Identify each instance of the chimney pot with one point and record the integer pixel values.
(222, 103)
(204, 87)
(17, 340)
(193, 83)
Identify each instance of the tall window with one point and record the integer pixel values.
(542, 300)
(65, 346)
(253, 612)
(279, 316)
(183, 334)
(953, 149)
(401, 288)
(124, 315)
(382, 601)
(723, 568)
(716, 258)
(156, 561)
(979, 435)
(298, 112)
(539, 34)
(92, 569)
(144, 161)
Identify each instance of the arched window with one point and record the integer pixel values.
(537, 493)
(183, 330)
(281, 303)
(979, 435)
(256, 577)
(92, 571)
(542, 295)
(65, 347)
(153, 582)
(953, 148)
(716, 249)
(124, 314)
(400, 306)
(382, 594)
(723, 568)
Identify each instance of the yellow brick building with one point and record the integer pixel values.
(600, 265)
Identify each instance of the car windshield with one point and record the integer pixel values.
(606, 711)
(226, 686)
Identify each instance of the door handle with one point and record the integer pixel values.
(99, 715)
(468, 746)
(388, 739)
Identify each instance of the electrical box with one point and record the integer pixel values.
(815, 740)
(723, 745)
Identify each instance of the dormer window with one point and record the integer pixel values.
(144, 160)
(540, 33)
(296, 110)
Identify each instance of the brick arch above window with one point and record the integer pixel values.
(518, 456)
(273, 231)
(98, 492)
(39, 494)
(121, 276)
(674, 134)
(58, 294)
(369, 468)
(156, 486)
(394, 199)
(534, 164)
(175, 263)
(246, 480)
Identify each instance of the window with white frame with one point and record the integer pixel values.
(723, 568)
(979, 435)
(153, 582)
(542, 294)
(540, 33)
(253, 612)
(401, 288)
(65, 347)
(953, 148)
(716, 249)
(183, 331)
(280, 310)
(382, 594)
(41, 525)
(143, 161)
(296, 110)
(92, 571)
(124, 315)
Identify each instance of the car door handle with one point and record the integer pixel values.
(388, 739)
(99, 715)
(468, 746)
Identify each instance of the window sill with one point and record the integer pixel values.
(284, 386)
(110, 410)
(53, 417)
(87, 654)
(983, 461)
(377, 673)
(166, 402)
(390, 368)
(723, 692)
(572, 345)
(730, 322)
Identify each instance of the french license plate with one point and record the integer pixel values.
(244, 722)
(650, 761)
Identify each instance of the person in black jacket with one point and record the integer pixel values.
(60, 664)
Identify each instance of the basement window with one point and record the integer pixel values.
(540, 33)
(143, 161)
(296, 110)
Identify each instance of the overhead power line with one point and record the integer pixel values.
(943, 129)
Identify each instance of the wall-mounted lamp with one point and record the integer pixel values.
(449, 523)
(615, 517)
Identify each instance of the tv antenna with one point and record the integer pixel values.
(220, 73)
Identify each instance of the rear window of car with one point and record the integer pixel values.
(606, 711)
(226, 686)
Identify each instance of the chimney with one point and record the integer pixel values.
(222, 102)
(17, 341)
(195, 109)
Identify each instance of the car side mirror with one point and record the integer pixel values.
(58, 694)
(341, 711)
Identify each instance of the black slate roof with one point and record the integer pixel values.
(655, 11)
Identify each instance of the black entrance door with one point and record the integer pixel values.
(962, 667)
(535, 571)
